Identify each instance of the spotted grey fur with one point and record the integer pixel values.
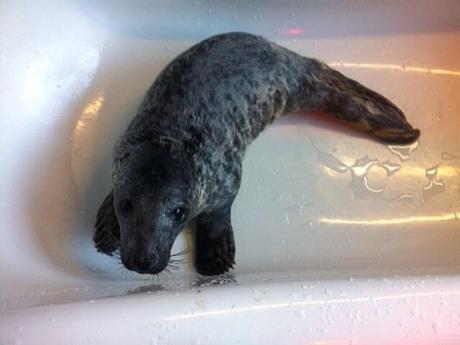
(180, 158)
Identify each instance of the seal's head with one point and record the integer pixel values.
(155, 195)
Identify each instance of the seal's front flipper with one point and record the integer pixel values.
(107, 235)
(214, 243)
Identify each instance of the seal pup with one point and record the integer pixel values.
(180, 158)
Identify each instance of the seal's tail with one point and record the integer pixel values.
(325, 89)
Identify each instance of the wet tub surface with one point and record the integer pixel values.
(340, 239)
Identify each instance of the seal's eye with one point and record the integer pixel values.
(179, 214)
(125, 207)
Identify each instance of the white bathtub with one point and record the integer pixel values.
(340, 240)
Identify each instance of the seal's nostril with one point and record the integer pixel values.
(144, 263)
(129, 264)
(138, 263)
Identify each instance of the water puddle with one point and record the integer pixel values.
(369, 176)
(448, 156)
(403, 151)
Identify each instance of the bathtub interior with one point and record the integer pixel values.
(317, 202)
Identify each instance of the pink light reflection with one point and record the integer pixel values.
(294, 31)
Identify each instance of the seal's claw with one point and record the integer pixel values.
(107, 235)
(215, 246)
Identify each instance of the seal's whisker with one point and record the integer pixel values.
(177, 261)
(116, 257)
(166, 271)
(163, 275)
(182, 252)
(121, 270)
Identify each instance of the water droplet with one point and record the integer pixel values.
(376, 178)
(287, 198)
(359, 183)
(401, 197)
(391, 167)
(431, 172)
(447, 156)
(210, 11)
(295, 215)
(302, 314)
(436, 325)
(287, 219)
(327, 292)
(435, 186)
(403, 151)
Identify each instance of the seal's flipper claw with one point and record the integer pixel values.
(214, 244)
(107, 235)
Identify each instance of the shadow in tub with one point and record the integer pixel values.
(73, 170)
(69, 180)
(72, 174)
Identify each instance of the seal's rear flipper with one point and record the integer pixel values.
(397, 136)
(322, 88)
(107, 235)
